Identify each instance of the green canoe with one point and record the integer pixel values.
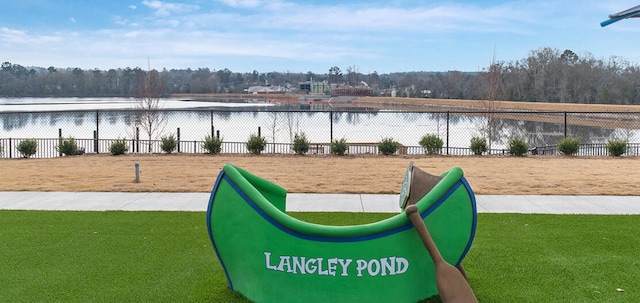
(269, 256)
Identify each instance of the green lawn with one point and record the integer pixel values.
(167, 256)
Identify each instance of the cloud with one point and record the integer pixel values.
(9, 35)
(167, 9)
(73, 20)
(242, 3)
(133, 7)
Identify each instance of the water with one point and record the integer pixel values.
(80, 104)
(114, 118)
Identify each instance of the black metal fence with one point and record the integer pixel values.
(94, 131)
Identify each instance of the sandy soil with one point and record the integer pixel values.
(416, 103)
(544, 175)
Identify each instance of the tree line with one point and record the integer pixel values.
(545, 75)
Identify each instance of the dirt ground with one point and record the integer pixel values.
(495, 175)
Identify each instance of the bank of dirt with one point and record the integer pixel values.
(375, 174)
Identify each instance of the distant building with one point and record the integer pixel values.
(266, 90)
(313, 87)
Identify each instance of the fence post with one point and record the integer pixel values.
(10, 148)
(447, 132)
(59, 140)
(178, 132)
(95, 141)
(565, 124)
(217, 134)
(137, 146)
(211, 123)
(97, 133)
(330, 125)
(259, 132)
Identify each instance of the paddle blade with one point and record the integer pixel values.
(452, 286)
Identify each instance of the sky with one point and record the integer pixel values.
(299, 36)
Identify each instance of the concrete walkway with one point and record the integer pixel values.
(101, 201)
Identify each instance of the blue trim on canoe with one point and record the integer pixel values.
(475, 220)
(334, 239)
(213, 242)
(428, 211)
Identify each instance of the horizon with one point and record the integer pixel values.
(302, 36)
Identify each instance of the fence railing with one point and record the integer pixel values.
(95, 131)
(48, 148)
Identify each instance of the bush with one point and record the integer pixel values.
(168, 144)
(478, 145)
(300, 144)
(256, 144)
(213, 145)
(118, 147)
(569, 146)
(338, 147)
(27, 147)
(518, 147)
(388, 146)
(68, 147)
(432, 144)
(616, 147)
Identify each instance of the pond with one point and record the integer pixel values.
(235, 121)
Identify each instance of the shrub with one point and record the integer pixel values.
(339, 147)
(432, 144)
(478, 145)
(27, 147)
(518, 147)
(569, 146)
(118, 147)
(300, 144)
(213, 145)
(256, 144)
(168, 144)
(388, 146)
(616, 147)
(68, 146)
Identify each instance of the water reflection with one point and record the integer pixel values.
(235, 126)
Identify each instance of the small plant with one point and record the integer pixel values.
(388, 146)
(118, 147)
(569, 146)
(432, 144)
(518, 147)
(68, 146)
(213, 145)
(478, 145)
(168, 144)
(338, 147)
(27, 147)
(616, 147)
(256, 144)
(300, 144)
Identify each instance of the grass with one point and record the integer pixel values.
(166, 256)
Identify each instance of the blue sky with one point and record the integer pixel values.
(300, 36)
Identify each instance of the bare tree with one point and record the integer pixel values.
(148, 115)
(492, 125)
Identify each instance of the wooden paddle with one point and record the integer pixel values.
(452, 286)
